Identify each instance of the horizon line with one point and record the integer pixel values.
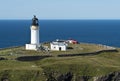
(66, 19)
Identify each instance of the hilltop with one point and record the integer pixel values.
(79, 61)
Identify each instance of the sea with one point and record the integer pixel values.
(17, 32)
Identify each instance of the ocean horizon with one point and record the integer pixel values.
(17, 32)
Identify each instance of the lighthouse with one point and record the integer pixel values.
(34, 44)
(35, 31)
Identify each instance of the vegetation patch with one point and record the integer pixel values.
(42, 66)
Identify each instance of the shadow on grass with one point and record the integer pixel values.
(35, 58)
(87, 54)
(1, 58)
(31, 58)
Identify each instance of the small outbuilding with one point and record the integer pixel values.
(72, 41)
(58, 45)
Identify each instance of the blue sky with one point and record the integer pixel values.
(60, 9)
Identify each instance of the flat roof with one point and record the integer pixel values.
(58, 43)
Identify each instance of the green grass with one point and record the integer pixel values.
(95, 65)
(23, 75)
(77, 48)
(80, 48)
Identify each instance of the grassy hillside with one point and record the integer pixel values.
(38, 70)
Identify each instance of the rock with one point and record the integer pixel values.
(65, 77)
(4, 79)
(110, 77)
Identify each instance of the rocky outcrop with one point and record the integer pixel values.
(4, 79)
(110, 77)
(115, 76)
(63, 77)
(82, 78)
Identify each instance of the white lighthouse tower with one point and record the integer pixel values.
(34, 35)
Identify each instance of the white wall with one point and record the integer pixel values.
(57, 47)
(34, 35)
(31, 47)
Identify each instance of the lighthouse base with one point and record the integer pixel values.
(32, 47)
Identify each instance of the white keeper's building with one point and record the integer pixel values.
(58, 45)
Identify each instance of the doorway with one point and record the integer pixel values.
(60, 48)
